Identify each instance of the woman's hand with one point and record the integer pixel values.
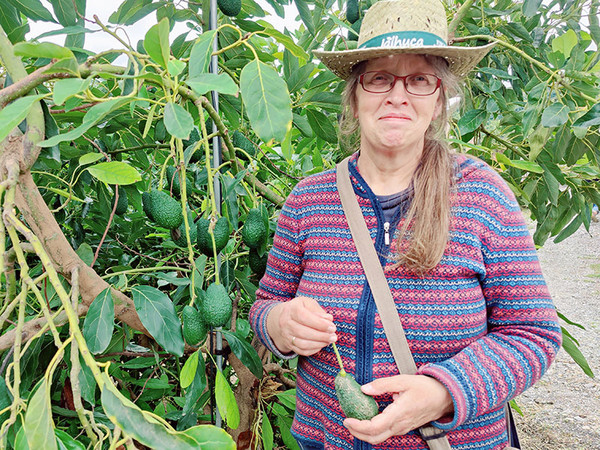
(300, 325)
(418, 400)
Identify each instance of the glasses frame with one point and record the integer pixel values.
(396, 78)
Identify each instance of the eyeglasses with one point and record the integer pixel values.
(379, 82)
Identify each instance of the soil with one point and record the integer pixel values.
(562, 411)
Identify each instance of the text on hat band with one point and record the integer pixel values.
(404, 39)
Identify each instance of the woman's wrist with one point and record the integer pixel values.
(274, 329)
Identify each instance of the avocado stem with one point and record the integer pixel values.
(339, 359)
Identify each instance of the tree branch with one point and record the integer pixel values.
(459, 16)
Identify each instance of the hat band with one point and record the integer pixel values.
(404, 39)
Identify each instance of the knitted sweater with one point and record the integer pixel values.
(482, 322)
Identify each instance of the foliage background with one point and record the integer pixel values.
(74, 124)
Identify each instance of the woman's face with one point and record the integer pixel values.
(396, 120)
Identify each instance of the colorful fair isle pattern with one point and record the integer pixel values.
(482, 322)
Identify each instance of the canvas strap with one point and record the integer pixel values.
(435, 438)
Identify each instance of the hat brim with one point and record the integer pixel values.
(460, 59)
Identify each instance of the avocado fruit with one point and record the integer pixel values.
(352, 11)
(254, 231)
(230, 8)
(204, 239)
(173, 182)
(216, 307)
(257, 263)
(162, 209)
(178, 234)
(242, 142)
(146, 201)
(194, 328)
(353, 401)
(122, 201)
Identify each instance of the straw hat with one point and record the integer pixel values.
(391, 27)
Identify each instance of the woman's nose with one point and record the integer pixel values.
(398, 93)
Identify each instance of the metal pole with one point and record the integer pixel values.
(214, 68)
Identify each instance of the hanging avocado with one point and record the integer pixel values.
(230, 8)
(352, 11)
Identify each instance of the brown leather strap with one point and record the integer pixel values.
(435, 438)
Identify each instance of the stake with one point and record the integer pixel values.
(214, 68)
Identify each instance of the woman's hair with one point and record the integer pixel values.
(424, 234)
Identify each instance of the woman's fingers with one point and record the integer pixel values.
(301, 325)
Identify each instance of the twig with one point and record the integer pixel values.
(77, 108)
(145, 383)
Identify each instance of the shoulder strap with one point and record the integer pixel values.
(386, 306)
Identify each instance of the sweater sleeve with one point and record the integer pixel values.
(283, 273)
(523, 331)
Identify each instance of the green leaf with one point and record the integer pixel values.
(226, 401)
(67, 442)
(565, 43)
(21, 440)
(211, 438)
(569, 229)
(195, 390)
(531, 7)
(207, 82)
(38, 424)
(555, 115)
(157, 313)
(64, 12)
(267, 101)
(305, 15)
(245, 352)
(85, 252)
(156, 42)
(573, 350)
(267, 433)
(13, 114)
(175, 67)
(139, 424)
(188, 371)
(115, 172)
(131, 11)
(42, 50)
(64, 89)
(33, 9)
(519, 164)
(200, 264)
(11, 23)
(321, 125)
(590, 118)
(99, 322)
(90, 158)
(201, 53)
(91, 118)
(471, 120)
(287, 41)
(178, 121)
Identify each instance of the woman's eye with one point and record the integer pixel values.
(380, 77)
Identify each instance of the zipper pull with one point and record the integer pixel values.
(386, 228)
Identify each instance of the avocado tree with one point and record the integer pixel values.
(114, 231)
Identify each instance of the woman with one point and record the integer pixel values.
(456, 253)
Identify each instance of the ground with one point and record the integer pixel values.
(562, 411)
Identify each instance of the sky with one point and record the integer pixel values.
(101, 41)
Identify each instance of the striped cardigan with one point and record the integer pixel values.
(482, 322)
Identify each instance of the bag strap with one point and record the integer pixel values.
(435, 438)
